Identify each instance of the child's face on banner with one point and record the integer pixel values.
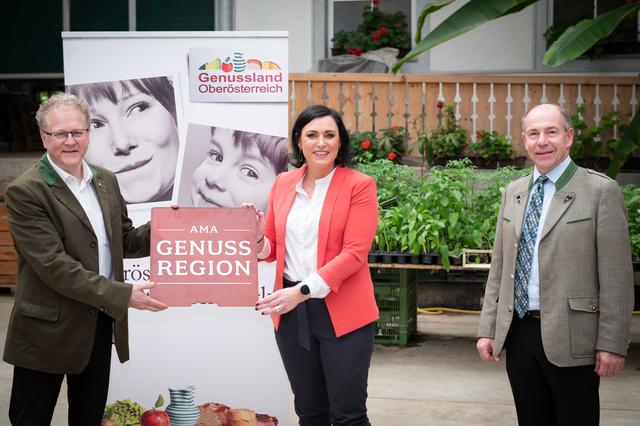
(230, 176)
(137, 139)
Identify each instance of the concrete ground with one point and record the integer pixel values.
(437, 379)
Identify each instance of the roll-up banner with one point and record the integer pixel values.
(197, 119)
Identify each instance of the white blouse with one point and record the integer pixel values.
(301, 238)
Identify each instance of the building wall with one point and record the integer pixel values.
(295, 16)
(505, 45)
(512, 44)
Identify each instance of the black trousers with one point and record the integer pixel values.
(329, 381)
(546, 394)
(34, 393)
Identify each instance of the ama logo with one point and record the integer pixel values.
(239, 64)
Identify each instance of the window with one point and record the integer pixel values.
(97, 15)
(174, 15)
(346, 15)
(623, 41)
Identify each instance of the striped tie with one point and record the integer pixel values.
(525, 248)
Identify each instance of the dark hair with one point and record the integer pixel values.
(159, 88)
(309, 114)
(272, 148)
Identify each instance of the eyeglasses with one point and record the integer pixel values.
(62, 136)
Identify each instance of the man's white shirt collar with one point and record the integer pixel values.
(87, 174)
(555, 173)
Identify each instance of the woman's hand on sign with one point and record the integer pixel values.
(259, 219)
(280, 302)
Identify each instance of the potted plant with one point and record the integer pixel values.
(588, 141)
(370, 146)
(631, 196)
(377, 30)
(447, 141)
(492, 150)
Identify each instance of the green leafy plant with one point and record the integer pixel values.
(629, 142)
(587, 140)
(446, 191)
(447, 140)
(578, 39)
(393, 181)
(631, 196)
(485, 203)
(573, 42)
(451, 208)
(370, 146)
(491, 146)
(377, 30)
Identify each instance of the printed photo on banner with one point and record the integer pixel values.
(134, 133)
(238, 75)
(226, 167)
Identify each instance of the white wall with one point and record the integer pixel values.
(513, 43)
(294, 16)
(504, 45)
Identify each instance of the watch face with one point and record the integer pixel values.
(304, 289)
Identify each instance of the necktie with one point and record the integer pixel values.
(527, 243)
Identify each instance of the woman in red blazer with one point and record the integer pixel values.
(320, 224)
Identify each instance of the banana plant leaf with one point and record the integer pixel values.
(471, 15)
(629, 142)
(428, 10)
(579, 38)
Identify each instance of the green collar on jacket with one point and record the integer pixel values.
(564, 178)
(49, 174)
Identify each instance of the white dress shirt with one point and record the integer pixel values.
(301, 238)
(86, 196)
(549, 190)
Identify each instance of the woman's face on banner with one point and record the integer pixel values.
(230, 176)
(137, 139)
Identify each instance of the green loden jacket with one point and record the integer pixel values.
(59, 291)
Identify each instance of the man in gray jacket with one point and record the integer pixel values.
(559, 295)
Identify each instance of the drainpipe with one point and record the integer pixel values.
(224, 15)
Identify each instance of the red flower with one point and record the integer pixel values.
(479, 134)
(355, 51)
(366, 144)
(377, 35)
(375, 2)
(440, 104)
(392, 156)
(394, 127)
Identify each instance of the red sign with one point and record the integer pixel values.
(204, 255)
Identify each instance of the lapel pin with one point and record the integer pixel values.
(568, 198)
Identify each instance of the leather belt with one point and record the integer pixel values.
(302, 317)
(532, 314)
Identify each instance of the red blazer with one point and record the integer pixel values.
(348, 225)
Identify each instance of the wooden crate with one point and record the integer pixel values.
(8, 256)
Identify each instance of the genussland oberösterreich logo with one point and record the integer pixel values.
(220, 75)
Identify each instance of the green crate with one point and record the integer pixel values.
(395, 292)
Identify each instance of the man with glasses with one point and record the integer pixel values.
(70, 227)
(560, 291)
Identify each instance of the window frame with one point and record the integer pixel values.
(330, 30)
(604, 64)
